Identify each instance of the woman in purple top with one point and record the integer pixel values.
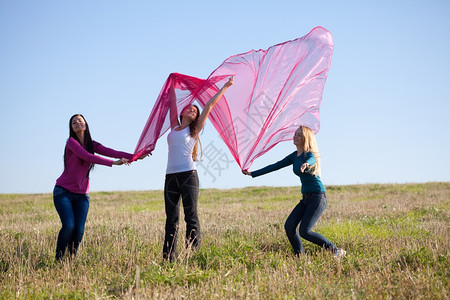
(70, 194)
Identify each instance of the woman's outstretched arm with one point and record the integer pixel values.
(210, 104)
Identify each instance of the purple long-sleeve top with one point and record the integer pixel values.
(78, 160)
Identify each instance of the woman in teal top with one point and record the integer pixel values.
(306, 165)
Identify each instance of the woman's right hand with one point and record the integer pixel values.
(245, 172)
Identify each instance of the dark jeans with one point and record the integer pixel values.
(306, 213)
(72, 209)
(186, 186)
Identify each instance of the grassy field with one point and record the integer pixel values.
(396, 237)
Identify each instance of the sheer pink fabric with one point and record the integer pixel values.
(274, 92)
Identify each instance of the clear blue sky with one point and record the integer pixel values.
(385, 109)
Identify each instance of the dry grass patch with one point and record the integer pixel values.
(396, 237)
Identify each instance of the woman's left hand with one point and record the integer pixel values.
(144, 155)
(303, 167)
(229, 82)
(121, 162)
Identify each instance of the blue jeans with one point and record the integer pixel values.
(186, 186)
(306, 213)
(72, 209)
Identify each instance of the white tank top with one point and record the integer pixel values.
(181, 144)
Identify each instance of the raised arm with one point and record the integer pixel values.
(173, 106)
(210, 104)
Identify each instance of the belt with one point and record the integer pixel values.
(309, 195)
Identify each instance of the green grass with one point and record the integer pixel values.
(396, 237)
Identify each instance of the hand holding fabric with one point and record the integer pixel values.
(121, 162)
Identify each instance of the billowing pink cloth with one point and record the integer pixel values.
(274, 92)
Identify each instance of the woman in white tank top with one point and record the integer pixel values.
(181, 175)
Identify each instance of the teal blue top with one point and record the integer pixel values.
(310, 183)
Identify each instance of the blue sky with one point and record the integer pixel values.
(384, 114)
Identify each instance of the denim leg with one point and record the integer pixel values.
(290, 226)
(63, 205)
(190, 190)
(172, 206)
(315, 205)
(80, 206)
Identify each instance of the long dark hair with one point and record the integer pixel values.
(87, 143)
(194, 133)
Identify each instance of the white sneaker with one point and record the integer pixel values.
(340, 253)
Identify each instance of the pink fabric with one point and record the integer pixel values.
(187, 89)
(274, 92)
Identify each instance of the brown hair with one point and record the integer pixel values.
(194, 133)
(87, 143)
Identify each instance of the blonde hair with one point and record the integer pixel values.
(309, 144)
